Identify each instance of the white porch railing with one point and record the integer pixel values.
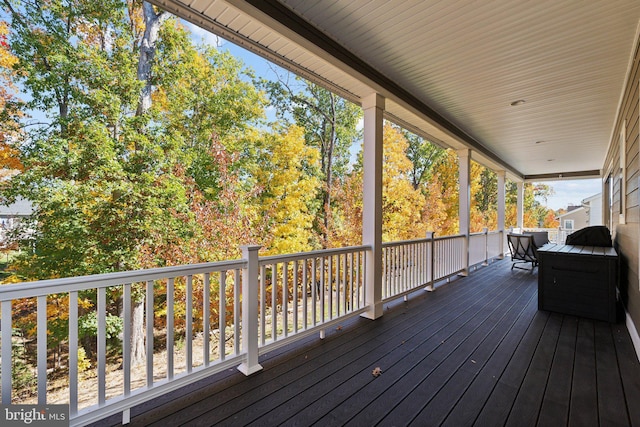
(556, 235)
(307, 292)
(209, 317)
(406, 266)
(150, 384)
(413, 264)
(484, 246)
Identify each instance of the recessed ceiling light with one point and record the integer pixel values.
(518, 102)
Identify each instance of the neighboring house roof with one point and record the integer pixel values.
(571, 213)
(20, 208)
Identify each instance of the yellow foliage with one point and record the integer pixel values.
(84, 362)
(443, 192)
(7, 59)
(402, 204)
(8, 158)
(288, 191)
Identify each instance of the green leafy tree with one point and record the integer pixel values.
(206, 99)
(105, 180)
(424, 156)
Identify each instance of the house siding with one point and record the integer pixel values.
(579, 216)
(626, 230)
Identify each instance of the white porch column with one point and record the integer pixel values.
(520, 203)
(250, 286)
(502, 207)
(373, 106)
(464, 203)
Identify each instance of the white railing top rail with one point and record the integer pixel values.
(405, 242)
(423, 239)
(272, 259)
(455, 236)
(80, 283)
(480, 233)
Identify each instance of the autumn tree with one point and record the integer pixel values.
(534, 212)
(286, 191)
(442, 191)
(10, 107)
(329, 122)
(207, 100)
(347, 213)
(402, 204)
(550, 220)
(424, 156)
(104, 178)
(484, 198)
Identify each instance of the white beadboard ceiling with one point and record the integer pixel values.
(449, 69)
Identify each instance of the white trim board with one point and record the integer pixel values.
(633, 332)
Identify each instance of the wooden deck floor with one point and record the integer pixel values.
(475, 352)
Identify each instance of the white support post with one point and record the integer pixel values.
(430, 286)
(464, 204)
(250, 311)
(6, 362)
(373, 106)
(502, 208)
(485, 231)
(520, 202)
(42, 349)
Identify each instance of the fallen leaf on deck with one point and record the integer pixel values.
(376, 372)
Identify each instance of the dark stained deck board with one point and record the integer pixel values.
(611, 402)
(407, 335)
(531, 393)
(477, 393)
(555, 405)
(497, 408)
(475, 352)
(314, 369)
(628, 361)
(403, 381)
(584, 394)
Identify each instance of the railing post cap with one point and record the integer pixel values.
(430, 234)
(250, 247)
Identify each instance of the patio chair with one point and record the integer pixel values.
(540, 238)
(523, 250)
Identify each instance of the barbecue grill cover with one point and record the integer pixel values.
(596, 235)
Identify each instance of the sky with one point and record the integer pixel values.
(571, 192)
(566, 192)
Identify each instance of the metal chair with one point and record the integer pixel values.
(523, 250)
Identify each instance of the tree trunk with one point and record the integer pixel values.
(153, 22)
(138, 350)
(328, 223)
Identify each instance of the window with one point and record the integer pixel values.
(568, 224)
